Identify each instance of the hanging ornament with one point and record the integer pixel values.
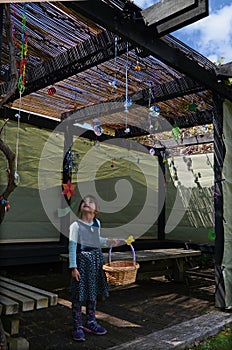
(128, 101)
(152, 151)
(211, 235)
(113, 82)
(68, 189)
(51, 91)
(97, 130)
(176, 132)
(192, 107)
(23, 54)
(5, 203)
(154, 111)
(96, 127)
(96, 121)
(71, 162)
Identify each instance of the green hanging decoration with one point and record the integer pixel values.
(176, 132)
(211, 235)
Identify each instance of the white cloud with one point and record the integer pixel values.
(213, 34)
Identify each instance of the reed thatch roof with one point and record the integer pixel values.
(87, 65)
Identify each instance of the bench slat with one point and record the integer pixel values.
(40, 300)
(9, 306)
(26, 304)
(53, 298)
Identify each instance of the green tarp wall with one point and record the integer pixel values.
(39, 149)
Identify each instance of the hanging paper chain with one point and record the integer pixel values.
(23, 55)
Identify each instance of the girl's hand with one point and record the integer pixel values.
(114, 242)
(76, 274)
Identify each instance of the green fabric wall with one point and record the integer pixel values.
(27, 221)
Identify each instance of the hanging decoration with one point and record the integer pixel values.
(23, 55)
(71, 164)
(192, 107)
(96, 121)
(211, 235)
(97, 127)
(176, 132)
(68, 189)
(137, 67)
(5, 203)
(51, 90)
(21, 82)
(154, 111)
(128, 101)
(113, 82)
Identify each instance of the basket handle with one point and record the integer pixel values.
(132, 250)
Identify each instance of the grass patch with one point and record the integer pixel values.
(223, 341)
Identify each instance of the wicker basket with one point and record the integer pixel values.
(120, 273)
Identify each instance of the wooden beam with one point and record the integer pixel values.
(166, 9)
(141, 35)
(225, 70)
(184, 19)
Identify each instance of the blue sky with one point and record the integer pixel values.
(212, 35)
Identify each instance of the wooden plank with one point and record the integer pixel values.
(52, 297)
(9, 306)
(163, 10)
(40, 300)
(155, 254)
(184, 19)
(10, 324)
(149, 254)
(25, 303)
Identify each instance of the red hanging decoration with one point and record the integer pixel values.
(51, 91)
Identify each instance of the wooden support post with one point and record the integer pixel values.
(161, 196)
(68, 140)
(219, 153)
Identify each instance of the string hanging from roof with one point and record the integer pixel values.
(96, 121)
(113, 82)
(21, 83)
(128, 101)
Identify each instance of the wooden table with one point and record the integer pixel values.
(154, 262)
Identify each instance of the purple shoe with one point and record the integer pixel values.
(94, 328)
(78, 334)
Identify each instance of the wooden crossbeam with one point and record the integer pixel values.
(166, 9)
(141, 35)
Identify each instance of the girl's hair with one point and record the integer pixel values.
(93, 199)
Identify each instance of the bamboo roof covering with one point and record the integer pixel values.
(90, 67)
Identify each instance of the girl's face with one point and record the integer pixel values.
(89, 205)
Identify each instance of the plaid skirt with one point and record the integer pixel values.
(93, 281)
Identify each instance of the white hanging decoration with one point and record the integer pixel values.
(96, 122)
(17, 115)
(128, 101)
(113, 83)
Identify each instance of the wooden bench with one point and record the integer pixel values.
(154, 262)
(16, 297)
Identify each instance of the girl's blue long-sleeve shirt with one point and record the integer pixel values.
(73, 239)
